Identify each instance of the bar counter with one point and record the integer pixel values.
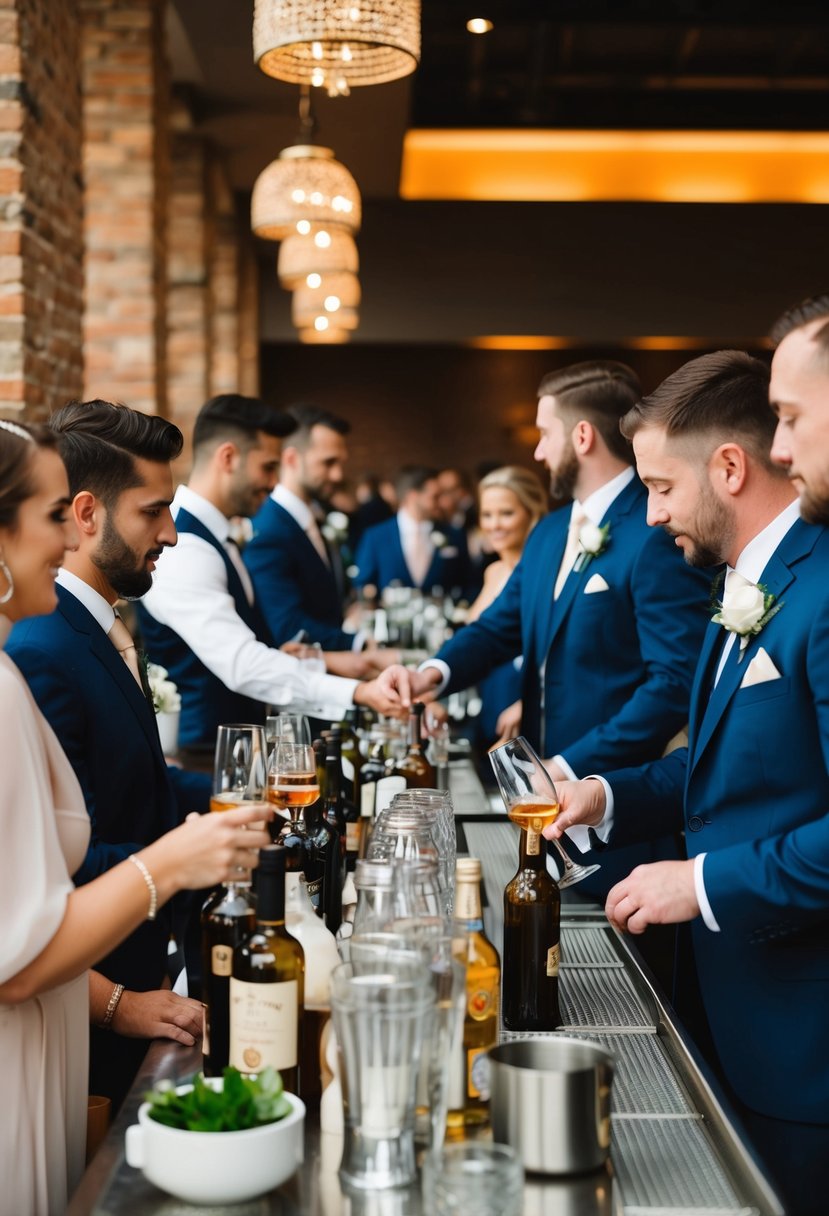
(675, 1151)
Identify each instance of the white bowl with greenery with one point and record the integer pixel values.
(222, 1140)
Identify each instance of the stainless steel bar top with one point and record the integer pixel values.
(674, 1152)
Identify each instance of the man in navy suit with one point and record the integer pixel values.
(297, 575)
(752, 787)
(607, 616)
(118, 463)
(414, 549)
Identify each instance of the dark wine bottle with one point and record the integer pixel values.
(414, 768)
(321, 846)
(267, 985)
(348, 814)
(334, 820)
(374, 770)
(227, 917)
(532, 907)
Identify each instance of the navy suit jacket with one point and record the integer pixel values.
(295, 588)
(606, 678)
(380, 560)
(752, 790)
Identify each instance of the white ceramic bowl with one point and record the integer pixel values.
(217, 1167)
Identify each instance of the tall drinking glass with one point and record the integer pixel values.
(292, 779)
(530, 798)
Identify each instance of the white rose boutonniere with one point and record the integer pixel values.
(746, 608)
(593, 541)
(443, 545)
(166, 696)
(335, 527)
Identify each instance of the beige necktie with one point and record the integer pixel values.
(571, 549)
(122, 640)
(315, 536)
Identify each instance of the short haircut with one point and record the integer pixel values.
(816, 308)
(232, 418)
(99, 443)
(16, 453)
(601, 392)
(723, 396)
(413, 477)
(525, 485)
(306, 417)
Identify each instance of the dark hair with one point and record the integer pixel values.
(230, 417)
(16, 452)
(413, 477)
(306, 417)
(724, 395)
(816, 308)
(601, 392)
(99, 443)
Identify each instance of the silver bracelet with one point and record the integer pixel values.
(148, 879)
(117, 993)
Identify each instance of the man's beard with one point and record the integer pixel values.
(118, 564)
(564, 476)
(714, 529)
(814, 508)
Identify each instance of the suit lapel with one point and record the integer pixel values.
(310, 556)
(402, 565)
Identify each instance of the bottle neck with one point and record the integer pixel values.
(332, 779)
(533, 851)
(270, 898)
(468, 903)
(415, 741)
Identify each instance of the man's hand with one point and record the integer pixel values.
(509, 723)
(579, 802)
(556, 772)
(394, 690)
(658, 894)
(158, 1015)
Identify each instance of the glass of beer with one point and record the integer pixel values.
(530, 798)
(292, 779)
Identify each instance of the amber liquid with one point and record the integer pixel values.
(533, 815)
(288, 790)
(230, 801)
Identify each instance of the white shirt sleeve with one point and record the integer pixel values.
(580, 834)
(445, 673)
(190, 595)
(705, 908)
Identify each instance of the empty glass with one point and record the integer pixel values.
(473, 1179)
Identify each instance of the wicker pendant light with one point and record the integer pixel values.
(309, 311)
(321, 253)
(336, 44)
(303, 191)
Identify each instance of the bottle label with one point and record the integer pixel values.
(264, 1024)
(533, 843)
(352, 837)
(348, 769)
(467, 901)
(482, 1001)
(368, 793)
(314, 888)
(221, 960)
(477, 1073)
(553, 960)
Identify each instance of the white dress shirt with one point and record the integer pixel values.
(416, 543)
(92, 600)
(750, 564)
(190, 595)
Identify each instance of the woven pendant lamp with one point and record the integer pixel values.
(336, 44)
(329, 335)
(319, 253)
(307, 311)
(302, 191)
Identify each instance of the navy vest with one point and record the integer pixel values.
(205, 701)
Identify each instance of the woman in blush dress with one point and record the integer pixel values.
(51, 932)
(511, 500)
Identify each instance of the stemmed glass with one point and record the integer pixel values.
(239, 771)
(292, 779)
(287, 726)
(530, 798)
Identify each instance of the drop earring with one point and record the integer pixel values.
(7, 575)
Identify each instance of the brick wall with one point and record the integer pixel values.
(126, 104)
(41, 207)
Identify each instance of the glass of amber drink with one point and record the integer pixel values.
(530, 797)
(292, 779)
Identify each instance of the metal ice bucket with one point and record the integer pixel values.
(551, 1103)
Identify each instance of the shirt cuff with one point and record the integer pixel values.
(705, 908)
(580, 834)
(360, 639)
(445, 673)
(565, 768)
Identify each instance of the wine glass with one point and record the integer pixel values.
(287, 726)
(292, 778)
(239, 772)
(530, 798)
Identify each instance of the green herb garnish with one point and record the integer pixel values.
(243, 1102)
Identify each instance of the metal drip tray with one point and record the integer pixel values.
(645, 1083)
(587, 947)
(602, 997)
(695, 1181)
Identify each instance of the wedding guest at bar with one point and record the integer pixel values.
(52, 931)
(752, 787)
(511, 501)
(201, 619)
(374, 506)
(607, 616)
(799, 396)
(81, 665)
(416, 548)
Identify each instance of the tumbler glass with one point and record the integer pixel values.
(473, 1179)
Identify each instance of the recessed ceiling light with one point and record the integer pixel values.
(479, 25)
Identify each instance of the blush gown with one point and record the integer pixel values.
(44, 1041)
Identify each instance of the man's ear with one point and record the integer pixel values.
(728, 467)
(583, 437)
(227, 456)
(87, 512)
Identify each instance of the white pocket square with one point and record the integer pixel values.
(760, 670)
(595, 583)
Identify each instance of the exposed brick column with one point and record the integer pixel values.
(41, 207)
(223, 265)
(126, 102)
(249, 377)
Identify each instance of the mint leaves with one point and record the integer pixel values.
(243, 1102)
